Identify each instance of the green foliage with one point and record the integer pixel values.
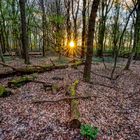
(89, 131)
(57, 19)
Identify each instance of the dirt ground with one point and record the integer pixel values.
(114, 108)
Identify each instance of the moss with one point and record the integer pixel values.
(55, 89)
(76, 64)
(20, 81)
(74, 103)
(4, 92)
(73, 88)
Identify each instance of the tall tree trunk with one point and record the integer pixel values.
(58, 28)
(136, 37)
(84, 30)
(75, 16)
(101, 31)
(90, 39)
(24, 34)
(44, 27)
(68, 22)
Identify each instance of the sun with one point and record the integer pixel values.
(71, 49)
(72, 44)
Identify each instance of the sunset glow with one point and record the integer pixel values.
(72, 44)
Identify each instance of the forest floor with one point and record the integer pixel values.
(114, 108)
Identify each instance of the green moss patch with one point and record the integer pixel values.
(20, 81)
(4, 92)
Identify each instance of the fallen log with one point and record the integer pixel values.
(21, 81)
(73, 101)
(35, 69)
(74, 111)
(18, 82)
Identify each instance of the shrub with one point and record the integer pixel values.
(89, 131)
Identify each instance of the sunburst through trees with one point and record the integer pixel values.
(71, 49)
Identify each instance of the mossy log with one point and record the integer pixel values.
(74, 111)
(35, 69)
(18, 82)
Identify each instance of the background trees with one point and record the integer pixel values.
(48, 26)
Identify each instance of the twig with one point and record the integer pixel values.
(103, 85)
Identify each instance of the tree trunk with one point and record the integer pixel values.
(84, 30)
(91, 29)
(1, 55)
(136, 38)
(68, 22)
(75, 16)
(44, 27)
(24, 34)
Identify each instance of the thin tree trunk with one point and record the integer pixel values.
(84, 30)
(44, 28)
(136, 38)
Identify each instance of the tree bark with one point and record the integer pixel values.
(44, 28)
(24, 34)
(84, 30)
(68, 22)
(91, 29)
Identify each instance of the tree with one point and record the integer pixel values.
(68, 22)
(90, 38)
(24, 34)
(43, 26)
(1, 55)
(136, 36)
(84, 30)
(75, 9)
(105, 8)
(120, 39)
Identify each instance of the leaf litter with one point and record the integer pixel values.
(114, 108)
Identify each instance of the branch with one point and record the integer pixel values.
(52, 62)
(63, 99)
(6, 65)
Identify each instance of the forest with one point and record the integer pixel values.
(69, 70)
